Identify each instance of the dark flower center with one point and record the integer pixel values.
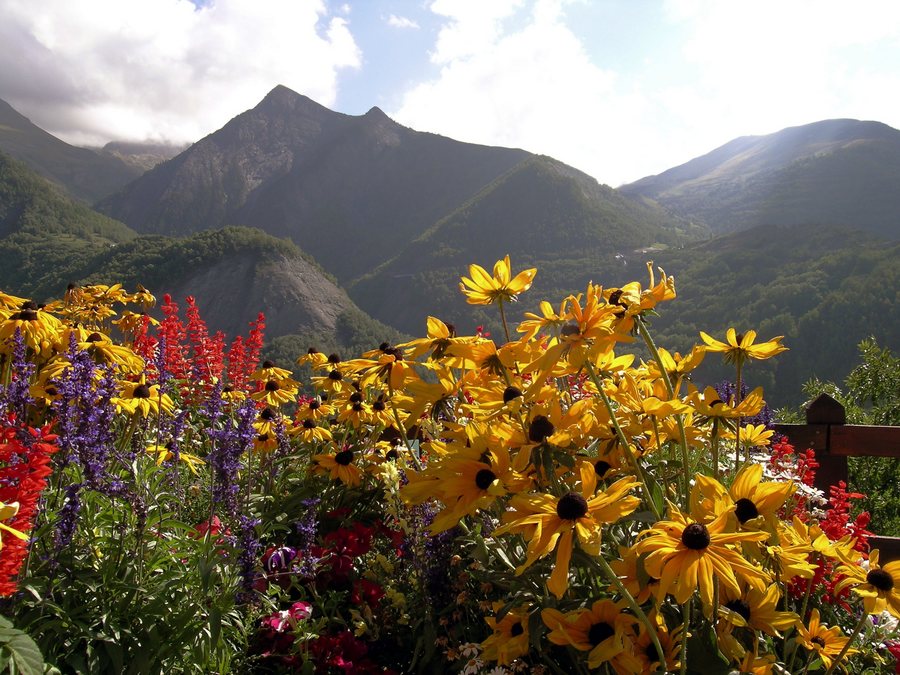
(272, 385)
(355, 397)
(715, 402)
(392, 454)
(601, 467)
(314, 405)
(334, 358)
(739, 607)
(614, 298)
(267, 364)
(309, 424)
(262, 438)
(267, 414)
(344, 457)
(600, 632)
(739, 338)
(540, 429)
(695, 536)
(312, 350)
(94, 337)
(484, 478)
(357, 407)
(818, 641)
(746, 510)
(510, 393)
(384, 346)
(516, 629)
(227, 389)
(141, 391)
(29, 304)
(51, 390)
(335, 375)
(571, 506)
(25, 315)
(880, 580)
(378, 406)
(451, 329)
(568, 330)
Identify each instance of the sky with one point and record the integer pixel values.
(620, 89)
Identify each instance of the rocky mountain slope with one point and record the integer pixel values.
(84, 174)
(836, 172)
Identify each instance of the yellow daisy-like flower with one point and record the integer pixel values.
(826, 642)
(749, 497)
(484, 289)
(8, 511)
(339, 466)
(604, 631)
(38, 328)
(277, 392)
(164, 454)
(758, 610)
(686, 555)
(742, 346)
(308, 430)
(137, 398)
(509, 640)
(553, 523)
(877, 586)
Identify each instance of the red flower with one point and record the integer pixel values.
(366, 592)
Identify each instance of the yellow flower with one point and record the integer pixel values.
(484, 289)
(878, 585)
(758, 610)
(553, 523)
(8, 511)
(509, 640)
(686, 555)
(164, 454)
(137, 398)
(277, 392)
(604, 631)
(826, 642)
(740, 346)
(339, 466)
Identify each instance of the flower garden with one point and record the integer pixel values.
(562, 499)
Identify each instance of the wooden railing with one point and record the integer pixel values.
(833, 440)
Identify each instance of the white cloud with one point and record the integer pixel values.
(91, 70)
(401, 22)
(525, 80)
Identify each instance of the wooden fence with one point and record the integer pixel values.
(833, 440)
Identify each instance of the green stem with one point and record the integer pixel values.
(670, 390)
(635, 463)
(402, 429)
(503, 319)
(685, 629)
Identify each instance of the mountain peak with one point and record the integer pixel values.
(283, 99)
(375, 112)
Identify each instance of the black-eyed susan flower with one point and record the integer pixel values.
(826, 642)
(339, 466)
(277, 392)
(139, 398)
(8, 511)
(555, 523)
(757, 609)
(738, 347)
(687, 555)
(481, 288)
(309, 431)
(878, 586)
(39, 329)
(604, 631)
(509, 639)
(164, 453)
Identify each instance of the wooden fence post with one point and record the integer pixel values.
(827, 412)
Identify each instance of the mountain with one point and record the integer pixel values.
(834, 172)
(43, 231)
(85, 174)
(349, 189)
(542, 213)
(142, 156)
(825, 288)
